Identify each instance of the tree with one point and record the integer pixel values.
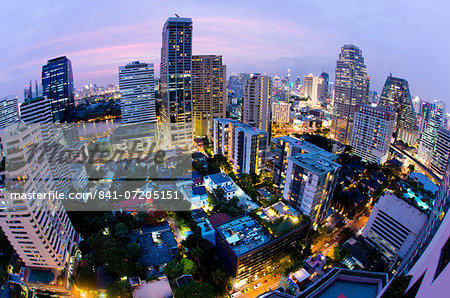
(121, 289)
(84, 278)
(173, 270)
(194, 290)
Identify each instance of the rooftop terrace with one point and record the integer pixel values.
(244, 234)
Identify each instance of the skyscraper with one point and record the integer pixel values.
(137, 91)
(257, 102)
(57, 85)
(9, 111)
(351, 87)
(435, 114)
(36, 110)
(38, 229)
(441, 152)
(396, 97)
(209, 92)
(326, 79)
(372, 133)
(176, 71)
(313, 88)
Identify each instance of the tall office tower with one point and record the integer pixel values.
(350, 88)
(441, 152)
(394, 226)
(286, 147)
(176, 71)
(209, 92)
(280, 112)
(57, 85)
(373, 129)
(244, 146)
(417, 104)
(326, 79)
(310, 182)
(137, 92)
(38, 229)
(256, 108)
(435, 116)
(9, 111)
(36, 110)
(396, 97)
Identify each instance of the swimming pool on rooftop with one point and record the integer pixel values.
(417, 197)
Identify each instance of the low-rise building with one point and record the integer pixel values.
(248, 250)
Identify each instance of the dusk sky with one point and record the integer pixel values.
(410, 38)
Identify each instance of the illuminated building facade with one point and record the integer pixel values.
(209, 93)
(137, 92)
(176, 81)
(57, 85)
(351, 87)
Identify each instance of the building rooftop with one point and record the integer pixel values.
(219, 178)
(243, 234)
(315, 162)
(306, 147)
(157, 243)
(218, 219)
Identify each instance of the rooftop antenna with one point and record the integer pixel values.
(177, 15)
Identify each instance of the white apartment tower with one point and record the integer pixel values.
(243, 145)
(313, 88)
(38, 229)
(372, 133)
(137, 92)
(9, 111)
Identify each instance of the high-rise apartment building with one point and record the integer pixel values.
(280, 112)
(57, 85)
(256, 107)
(209, 93)
(435, 118)
(310, 182)
(441, 152)
(396, 97)
(38, 229)
(36, 110)
(244, 146)
(351, 87)
(286, 147)
(313, 88)
(137, 92)
(373, 129)
(176, 81)
(9, 111)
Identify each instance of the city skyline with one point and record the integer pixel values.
(311, 34)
